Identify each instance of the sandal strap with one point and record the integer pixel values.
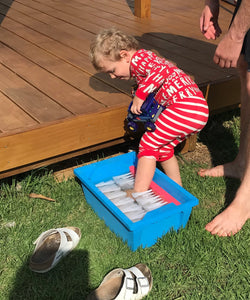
(64, 247)
(126, 292)
(73, 235)
(142, 284)
(43, 236)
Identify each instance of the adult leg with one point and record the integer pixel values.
(231, 220)
(236, 168)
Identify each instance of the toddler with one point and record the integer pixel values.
(186, 113)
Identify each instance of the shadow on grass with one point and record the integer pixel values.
(223, 146)
(68, 280)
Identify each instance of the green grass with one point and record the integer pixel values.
(190, 264)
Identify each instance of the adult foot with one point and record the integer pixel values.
(231, 169)
(232, 219)
(217, 171)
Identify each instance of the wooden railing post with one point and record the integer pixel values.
(143, 8)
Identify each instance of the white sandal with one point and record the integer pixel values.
(51, 246)
(124, 284)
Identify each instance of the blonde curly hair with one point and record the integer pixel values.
(108, 44)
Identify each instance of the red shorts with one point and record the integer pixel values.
(175, 124)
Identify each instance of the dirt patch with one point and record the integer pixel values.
(200, 155)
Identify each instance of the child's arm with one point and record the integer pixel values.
(136, 106)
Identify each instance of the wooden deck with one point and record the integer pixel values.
(53, 103)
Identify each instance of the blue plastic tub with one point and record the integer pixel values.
(156, 223)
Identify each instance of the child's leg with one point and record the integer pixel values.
(171, 168)
(144, 173)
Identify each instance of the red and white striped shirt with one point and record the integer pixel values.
(155, 74)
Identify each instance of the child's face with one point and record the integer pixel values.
(117, 69)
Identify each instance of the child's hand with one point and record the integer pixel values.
(136, 106)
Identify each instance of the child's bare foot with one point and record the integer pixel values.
(232, 219)
(129, 193)
(231, 169)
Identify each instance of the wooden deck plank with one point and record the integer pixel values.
(35, 103)
(73, 56)
(75, 99)
(64, 94)
(63, 36)
(15, 119)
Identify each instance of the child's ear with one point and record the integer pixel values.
(125, 54)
